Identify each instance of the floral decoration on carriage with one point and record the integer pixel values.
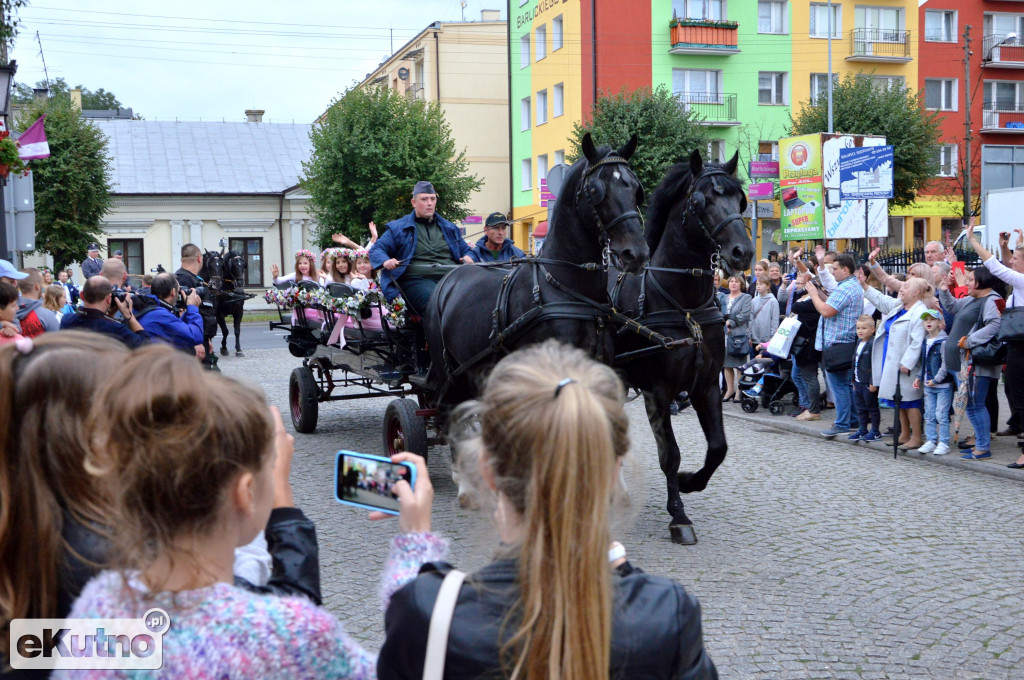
(359, 305)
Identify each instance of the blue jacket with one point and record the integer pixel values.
(507, 252)
(184, 333)
(94, 320)
(933, 361)
(399, 242)
(91, 267)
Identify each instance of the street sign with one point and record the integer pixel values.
(763, 170)
(761, 191)
(865, 172)
(556, 177)
(20, 217)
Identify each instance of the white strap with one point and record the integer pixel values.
(441, 623)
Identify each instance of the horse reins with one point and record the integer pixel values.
(586, 192)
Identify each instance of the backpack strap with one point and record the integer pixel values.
(441, 623)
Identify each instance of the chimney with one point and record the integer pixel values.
(490, 15)
(76, 98)
(40, 94)
(254, 115)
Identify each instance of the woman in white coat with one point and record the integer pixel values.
(896, 352)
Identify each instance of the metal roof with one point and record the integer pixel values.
(163, 157)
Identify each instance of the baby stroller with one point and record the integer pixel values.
(764, 383)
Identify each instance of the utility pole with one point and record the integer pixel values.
(968, 170)
(829, 10)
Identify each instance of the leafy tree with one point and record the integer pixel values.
(72, 186)
(666, 132)
(860, 106)
(369, 150)
(10, 23)
(59, 89)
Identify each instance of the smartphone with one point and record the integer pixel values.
(367, 481)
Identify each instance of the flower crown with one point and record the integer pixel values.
(362, 252)
(305, 253)
(346, 253)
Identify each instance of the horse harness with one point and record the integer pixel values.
(591, 192)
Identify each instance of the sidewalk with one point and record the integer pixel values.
(1004, 449)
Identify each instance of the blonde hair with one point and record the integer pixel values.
(551, 429)
(172, 436)
(53, 298)
(921, 270)
(922, 287)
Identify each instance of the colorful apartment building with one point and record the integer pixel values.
(740, 65)
(995, 83)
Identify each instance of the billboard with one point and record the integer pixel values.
(845, 219)
(865, 172)
(800, 182)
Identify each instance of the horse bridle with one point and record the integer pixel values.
(588, 192)
(695, 207)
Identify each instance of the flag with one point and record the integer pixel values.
(33, 143)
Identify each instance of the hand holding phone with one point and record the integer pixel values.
(369, 482)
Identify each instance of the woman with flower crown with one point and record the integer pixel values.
(304, 269)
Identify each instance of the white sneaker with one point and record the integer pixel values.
(941, 450)
(927, 448)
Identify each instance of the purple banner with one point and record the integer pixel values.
(473, 219)
(761, 191)
(547, 195)
(764, 169)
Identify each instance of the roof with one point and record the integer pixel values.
(164, 157)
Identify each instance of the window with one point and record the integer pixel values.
(560, 157)
(946, 160)
(885, 82)
(556, 33)
(819, 85)
(999, 26)
(558, 101)
(252, 250)
(1001, 96)
(524, 51)
(542, 107)
(819, 21)
(771, 88)
(541, 42)
(940, 94)
(697, 86)
(698, 9)
(940, 25)
(542, 168)
(525, 114)
(888, 19)
(771, 17)
(132, 250)
(716, 151)
(767, 151)
(527, 175)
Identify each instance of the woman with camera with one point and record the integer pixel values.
(546, 443)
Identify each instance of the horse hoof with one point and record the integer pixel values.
(223, 352)
(240, 353)
(683, 534)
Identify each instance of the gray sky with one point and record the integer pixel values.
(214, 59)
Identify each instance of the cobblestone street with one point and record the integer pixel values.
(816, 559)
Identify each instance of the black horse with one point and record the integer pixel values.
(478, 313)
(693, 225)
(226, 274)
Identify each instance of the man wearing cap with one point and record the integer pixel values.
(10, 274)
(493, 246)
(418, 250)
(93, 264)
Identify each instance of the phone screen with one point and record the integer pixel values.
(367, 481)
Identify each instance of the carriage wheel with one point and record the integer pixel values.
(403, 429)
(302, 398)
(748, 405)
(776, 408)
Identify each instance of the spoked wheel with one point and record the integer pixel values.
(403, 429)
(748, 405)
(302, 398)
(776, 408)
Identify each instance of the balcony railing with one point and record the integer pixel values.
(696, 36)
(714, 109)
(878, 44)
(1008, 118)
(1000, 50)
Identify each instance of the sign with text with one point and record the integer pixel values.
(761, 191)
(865, 173)
(763, 170)
(800, 170)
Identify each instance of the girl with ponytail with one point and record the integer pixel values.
(547, 439)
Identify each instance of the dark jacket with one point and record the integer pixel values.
(399, 242)
(91, 267)
(656, 626)
(84, 319)
(292, 544)
(507, 252)
(933, 362)
(184, 333)
(808, 316)
(863, 363)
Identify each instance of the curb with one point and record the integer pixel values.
(950, 460)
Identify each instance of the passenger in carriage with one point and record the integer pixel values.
(304, 262)
(364, 268)
(494, 246)
(341, 269)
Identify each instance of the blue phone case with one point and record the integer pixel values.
(411, 478)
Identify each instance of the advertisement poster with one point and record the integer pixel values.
(800, 174)
(845, 219)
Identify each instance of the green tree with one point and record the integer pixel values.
(72, 186)
(860, 106)
(59, 89)
(372, 146)
(666, 132)
(9, 23)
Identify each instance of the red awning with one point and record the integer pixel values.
(541, 230)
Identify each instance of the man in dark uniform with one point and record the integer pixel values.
(188, 277)
(93, 264)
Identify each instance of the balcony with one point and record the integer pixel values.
(879, 45)
(1002, 51)
(1002, 118)
(713, 110)
(697, 36)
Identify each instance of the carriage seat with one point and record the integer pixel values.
(341, 290)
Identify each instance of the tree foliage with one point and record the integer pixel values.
(860, 106)
(11, 22)
(666, 132)
(59, 89)
(371, 148)
(72, 186)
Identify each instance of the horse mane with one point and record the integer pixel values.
(671, 190)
